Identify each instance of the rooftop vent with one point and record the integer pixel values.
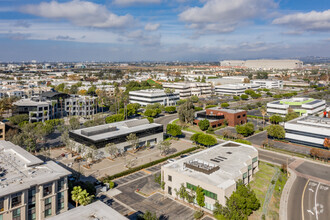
(231, 145)
(96, 131)
(135, 123)
(201, 166)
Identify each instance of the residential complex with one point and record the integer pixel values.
(100, 136)
(234, 89)
(216, 170)
(303, 106)
(50, 105)
(93, 211)
(152, 96)
(30, 188)
(187, 90)
(218, 116)
(268, 84)
(308, 130)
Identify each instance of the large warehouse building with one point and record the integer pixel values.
(216, 170)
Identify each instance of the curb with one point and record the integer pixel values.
(283, 212)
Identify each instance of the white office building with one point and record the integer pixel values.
(234, 89)
(303, 106)
(187, 90)
(269, 84)
(216, 170)
(152, 96)
(308, 130)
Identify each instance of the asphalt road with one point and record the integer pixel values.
(316, 170)
(166, 119)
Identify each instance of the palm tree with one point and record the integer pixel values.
(53, 105)
(75, 194)
(85, 198)
(263, 111)
(61, 101)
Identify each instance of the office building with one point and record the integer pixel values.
(30, 188)
(100, 136)
(152, 96)
(234, 89)
(268, 84)
(308, 130)
(187, 90)
(218, 116)
(303, 106)
(96, 210)
(216, 170)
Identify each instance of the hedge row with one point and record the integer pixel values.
(126, 172)
(257, 117)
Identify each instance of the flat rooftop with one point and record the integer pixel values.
(150, 92)
(313, 121)
(20, 170)
(232, 111)
(230, 157)
(29, 102)
(102, 132)
(94, 211)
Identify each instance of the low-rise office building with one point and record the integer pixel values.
(116, 133)
(216, 170)
(308, 130)
(93, 211)
(152, 96)
(303, 106)
(218, 116)
(187, 90)
(234, 89)
(30, 188)
(268, 84)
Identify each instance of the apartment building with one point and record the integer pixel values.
(217, 117)
(100, 136)
(308, 130)
(234, 89)
(152, 96)
(50, 105)
(301, 105)
(29, 188)
(2, 131)
(216, 170)
(268, 84)
(187, 90)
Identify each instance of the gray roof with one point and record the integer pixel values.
(311, 120)
(101, 132)
(232, 111)
(29, 102)
(22, 170)
(231, 157)
(94, 211)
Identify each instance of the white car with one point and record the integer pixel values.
(171, 160)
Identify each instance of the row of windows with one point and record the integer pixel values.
(289, 131)
(206, 193)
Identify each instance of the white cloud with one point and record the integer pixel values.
(131, 2)
(81, 13)
(311, 21)
(223, 15)
(151, 27)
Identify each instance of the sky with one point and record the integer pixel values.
(162, 30)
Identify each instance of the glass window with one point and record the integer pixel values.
(48, 189)
(32, 212)
(16, 199)
(17, 214)
(60, 201)
(32, 195)
(2, 207)
(1, 217)
(48, 207)
(255, 159)
(169, 178)
(169, 190)
(60, 184)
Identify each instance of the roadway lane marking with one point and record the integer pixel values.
(317, 218)
(309, 211)
(325, 188)
(310, 189)
(302, 201)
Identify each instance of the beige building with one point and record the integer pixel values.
(2, 131)
(216, 170)
(29, 188)
(187, 90)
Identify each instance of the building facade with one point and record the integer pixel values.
(216, 170)
(2, 131)
(30, 189)
(152, 96)
(303, 106)
(187, 90)
(218, 116)
(308, 130)
(268, 84)
(116, 133)
(234, 89)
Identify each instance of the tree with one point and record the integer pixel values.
(133, 140)
(326, 143)
(74, 123)
(174, 130)
(194, 99)
(236, 98)
(200, 198)
(207, 140)
(204, 124)
(170, 109)
(224, 105)
(17, 119)
(245, 130)
(164, 147)
(276, 131)
(263, 112)
(114, 118)
(75, 194)
(275, 119)
(112, 149)
(182, 192)
(149, 216)
(85, 198)
(151, 113)
(186, 112)
(290, 116)
(244, 97)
